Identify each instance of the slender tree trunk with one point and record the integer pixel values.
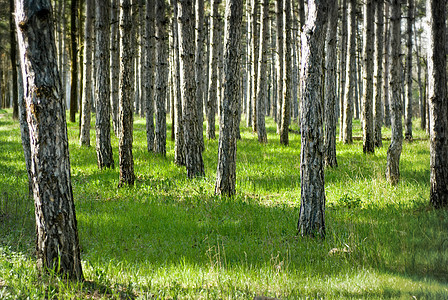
(74, 61)
(150, 61)
(378, 73)
(114, 66)
(279, 61)
(394, 151)
(438, 102)
(273, 42)
(161, 78)
(137, 55)
(81, 59)
(331, 88)
(261, 81)
(408, 97)
(255, 62)
(84, 138)
(12, 56)
(312, 207)
(199, 7)
(142, 5)
(213, 76)
(351, 76)
(286, 103)
(126, 160)
(343, 67)
(226, 172)
(248, 66)
(57, 244)
(367, 107)
(386, 63)
(102, 85)
(422, 99)
(193, 154)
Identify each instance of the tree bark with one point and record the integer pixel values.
(102, 85)
(193, 153)
(161, 77)
(150, 61)
(408, 97)
(226, 173)
(57, 245)
(378, 73)
(386, 63)
(261, 81)
(213, 76)
(312, 207)
(394, 151)
(248, 67)
(74, 61)
(343, 66)
(84, 138)
(286, 103)
(199, 38)
(279, 61)
(331, 88)
(350, 75)
(368, 145)
(126, 160)
(114, 66)
(438, 102)
(12, 56)
(421, 93)
(255, 62)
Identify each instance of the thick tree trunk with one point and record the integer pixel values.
(438, 102)
(84, 137)
(57, 245)
(394, 151)
(279, 60)
(408, 97)
(114, 66)
(350, 75)
(386, 65)
(286, 103)
(12, 56)
(331, 88)
(368, 145)
(102, 85)
(226, 173)
(199, 38)
(261, 81)
(126, 160)
(312, 207)
(161, 77)
(74, 61)
(213, 76)
(193, 153)
(378, 73)
(150, 61)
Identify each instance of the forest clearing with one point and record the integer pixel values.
(169, 237)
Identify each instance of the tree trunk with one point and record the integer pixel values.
(161, 77)
(142, 53)
(351, 76)
(378, 73)
(114, 66)
(57, 245)
(422, 99)
(226, 173)
(193, 153)
(331, 88)
(286, 103)
(343, 67)
(261, 81)
(137, 55)
(74, 61)
(368, 145)
(199, 38)
(150, 61)
(255, 63)
(386, 63)
(279, 60)
(84, 138)
(12, 56)
(408, 97)
(213, 76)
(312, 207)
(437, 95)
(248, 66)
(394, 151)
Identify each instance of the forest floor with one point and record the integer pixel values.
(170, 238)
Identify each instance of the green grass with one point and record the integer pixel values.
(171, 238)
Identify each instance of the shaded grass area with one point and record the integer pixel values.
(169, 237)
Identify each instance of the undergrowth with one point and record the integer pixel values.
(169, 237)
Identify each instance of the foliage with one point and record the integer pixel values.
(169, 237)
